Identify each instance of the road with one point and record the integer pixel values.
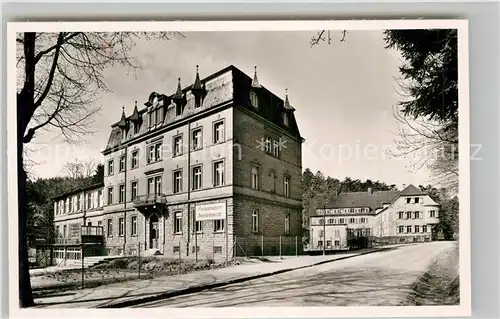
(378, 279)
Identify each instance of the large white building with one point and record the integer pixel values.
(388, 216)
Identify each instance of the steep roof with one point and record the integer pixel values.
(374, 200)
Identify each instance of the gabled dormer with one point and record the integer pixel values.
(287, 111)
(254, 91)
(136, 119)
(123, 124)
(199, 91)
(179, 99)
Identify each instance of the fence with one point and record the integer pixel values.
(260, 246)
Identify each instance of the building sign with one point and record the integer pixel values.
(211, 211)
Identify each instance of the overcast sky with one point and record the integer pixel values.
(343, 93)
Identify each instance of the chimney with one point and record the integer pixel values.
(404, 186)
(370, 190)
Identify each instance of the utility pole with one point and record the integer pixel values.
(324, 224)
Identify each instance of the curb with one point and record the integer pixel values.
(199, 288)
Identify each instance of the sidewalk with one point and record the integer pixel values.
(138, 291)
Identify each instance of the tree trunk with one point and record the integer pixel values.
(25, 293)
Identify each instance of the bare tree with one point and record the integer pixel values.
(325, 36)
(80, 169)
(428, 144)
(59, 78)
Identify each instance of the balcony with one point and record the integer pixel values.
(149, 200)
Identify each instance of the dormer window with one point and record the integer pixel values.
(159, 115)
(151, 119)
(136, 128)
(285, 119)
(254, 100)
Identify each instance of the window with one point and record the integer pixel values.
(352, 220)
(218, 132)
(408, 215)
(78, 203)
(287, 224)
(110, 167)
(267, 145)
(151, 185)
(218, 249)
(401, 215)
(134, 226)
(276, 149)
(177, 145)
(285, 118)
(273, 181)
(136, 128)
(110, 195)
(254, 100)
(331, 221)
(121, 193)
(158, 115)
(432, 213)
(416, 215)
(133, 187)
(408, 200)
(195, 249)
(196, 139)
(336, 233)
(99, 223)
(158, 185)
(135, 159)
(177, 181)
(177, 249)
(218, 173)
(255, 220)
(408, 229)
(417, 200)
(110, 227)
(321, 233)
(320, 243)
(99, 198)
(178, 223)
(328, 243)
(70, 205)
(417, 228)
(337, 243)
(341, 221)
(121, 165)
(424, 228)
(321, 221)
(151, 154)
(89, 201)
(197, 223)
(197, 178)
(401, 229)
(65, 231)
(158, 152)
(363, 220)
(218, 225)
(255, 177)
(121, 226)
(57, 231)
(286, 188)
(151, 118)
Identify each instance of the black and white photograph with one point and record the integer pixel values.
(314, 166)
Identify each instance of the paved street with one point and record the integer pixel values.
(379, 279)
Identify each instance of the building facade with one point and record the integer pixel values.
(191, 173)
(403, 216)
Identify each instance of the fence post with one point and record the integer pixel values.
(139, 260)
(262, 245)
(280, 247)
(296, 246)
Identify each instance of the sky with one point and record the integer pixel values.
(344, 94)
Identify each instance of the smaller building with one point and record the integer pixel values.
(385, 217)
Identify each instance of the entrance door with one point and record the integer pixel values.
(153, 232)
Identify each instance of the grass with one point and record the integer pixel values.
(117, 270)
(440, 284)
